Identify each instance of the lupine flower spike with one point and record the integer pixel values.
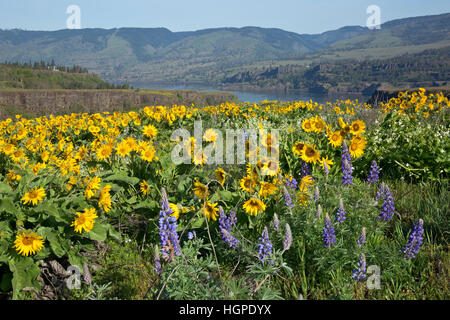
(276, 222)
(325, 168)
(157, 261)
(319, 211)
(362, 237)
(226, 224)
(415, 240)
(316, 193)
(329, 237)
(387, 209)
(360, 273)
(340, 216)
(287, 198)
(374, 173)
(168, 230)
(265, 248)
(305, 170)
(346, 166)
(287, 238)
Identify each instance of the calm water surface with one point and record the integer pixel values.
(255, 96)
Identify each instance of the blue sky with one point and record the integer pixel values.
(301, 16)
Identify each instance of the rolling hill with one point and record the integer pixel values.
(210, 55)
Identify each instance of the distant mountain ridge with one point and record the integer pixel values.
(209, 55)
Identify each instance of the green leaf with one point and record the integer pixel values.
(5, 284)
(76, 259)
(198, 223)
(123, 178)
(59, 245)
(113, 233)
(98, 232)
(7, 205)
(25, 272)
(5, 188)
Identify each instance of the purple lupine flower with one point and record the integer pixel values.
(265, 248)
(325, 168)
(157, 261)
(287, 238)
(291, 183)
(329, 237)
(168, 229)
(226, 224)
(340, 216)
(319, 211)
(360, 273)
(316, 193)
(374, 173)
(346, 166)
(287, 198)
(387, 209)
(276, 222)
(191, 235)
(415, 240)
(305, 170)
(362, 237)
(381, 191)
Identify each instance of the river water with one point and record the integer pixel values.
(252, 96)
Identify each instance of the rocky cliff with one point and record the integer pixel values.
(46, 102)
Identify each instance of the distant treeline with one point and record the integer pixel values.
(43, 65)
(48, 75)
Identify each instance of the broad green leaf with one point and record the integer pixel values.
(5, 188)
(98, 232)
(76, 259)
(113, 233)
(123, 178)
(7, 205)
(25, 272)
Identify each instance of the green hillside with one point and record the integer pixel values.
(18, 76)
(210, 55)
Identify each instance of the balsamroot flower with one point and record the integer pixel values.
(374, 173)
(340, 216)
(168, 230)
(28, 242)
(329, 237)
(226, 224)
(387, 209)
(360, 273)
(347, 178)
(265, 248)
(362, 237)
(287, 238)
(415, 240)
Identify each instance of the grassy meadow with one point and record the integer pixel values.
(351, 203)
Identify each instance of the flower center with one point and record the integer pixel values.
(27, 241)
